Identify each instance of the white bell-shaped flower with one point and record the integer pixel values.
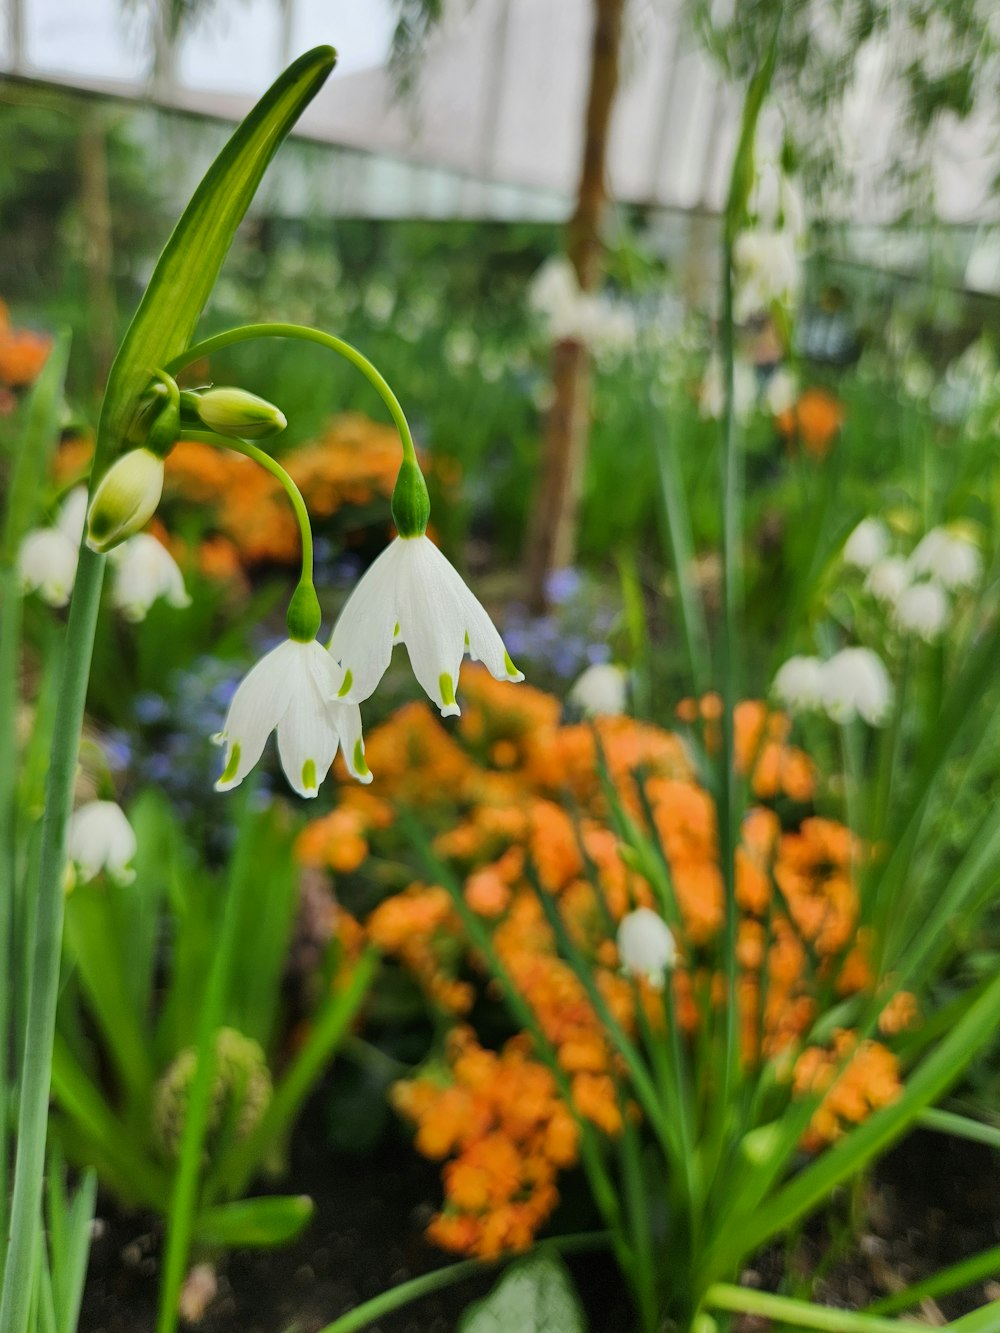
(46, 564)
(856, 684)
(100, 838)
(949, 558)
(867, 544)
(293, 689)
(73, 514)
(888, 579)
(922, 609)
(600, 691)
(646, 947)
(145, 571)
(412, 594)
(799, 684)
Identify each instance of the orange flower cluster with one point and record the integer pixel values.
(353, 463)
(499, 1120)
(22, 353)
(491, 783)
(814, 421)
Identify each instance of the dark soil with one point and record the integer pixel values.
(934, 1200)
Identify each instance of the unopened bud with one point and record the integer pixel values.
(125, 499)
(238, 413)
(411, 506)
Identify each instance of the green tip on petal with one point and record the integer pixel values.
(359, 759)
(309, 775)
(511, 668)
(467, 644)
(395, 630)
(447, 689)
(234, 762)
(348, 681)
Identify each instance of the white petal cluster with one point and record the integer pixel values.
(782, 391)
(412, 594)
(853, 683)
(767, 271)
(949, 558)
(888, 579)
(295, 689)
(600, 691)
(922, 609)
(712, 398)
(646, 947)
(867, 544)
(100, 838)
(144, 572)
(571, 314)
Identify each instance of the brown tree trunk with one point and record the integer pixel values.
(554, 521)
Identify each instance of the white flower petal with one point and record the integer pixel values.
(99, 837)
(432, 623)
(73, 514)
(145, 571)
(307, 742)
(46, 564)
(799, 683)
(258, 706)
(600, 691)
(645, 945)
(347, 719)
(363, 635)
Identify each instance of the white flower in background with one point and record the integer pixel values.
(799, 684)
(99, 837)
(712, 396)
(948, 558)
(867, 544)
(46, 564)
(600, 691)
(766, 270)
(293, 689)
(645, 946)
(461, 347)
(775, 202)
(922, 609)
(412, 594)
(569, 313)
(46, 561)
(145, 571)
(856, 684)
(379, 303)
(888, 579)
(782, 391)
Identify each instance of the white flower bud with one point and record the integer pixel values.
(600, 691)
(922, 610)
(867, 544)
(99, 837)
(645, 946)
(125, 500)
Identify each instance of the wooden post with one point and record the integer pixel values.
(555, 519)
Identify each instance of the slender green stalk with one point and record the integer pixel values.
(799, 1314)
(959, 1126)
(276, 470)
(984, 1320)
(10, 646)
(249, 332)
(976, 1268)
(184, 1196)
(36, 1072)
(363, 1316)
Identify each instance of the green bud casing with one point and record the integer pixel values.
(125, 499)
(303, 617)
(411, 505)
(238, 413)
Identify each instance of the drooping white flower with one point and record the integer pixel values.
(646, 947)
(767, 270)
(949, 558)
(569, 313)
(799, 684)
(125, 499)
(145, 571)
(712, 396)
(98, 838)
(782, 391)
(46, 564)
(922, 609)
(856, 684)
(412, 594)
(73, 514)
(600, 691)
(888, 579)
(867, 544)
(293, 689)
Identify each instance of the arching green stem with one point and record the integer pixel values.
(250, 332)
(276, 470)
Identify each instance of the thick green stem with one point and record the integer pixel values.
(37, 1065)
(249, 332)
(10, 642)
